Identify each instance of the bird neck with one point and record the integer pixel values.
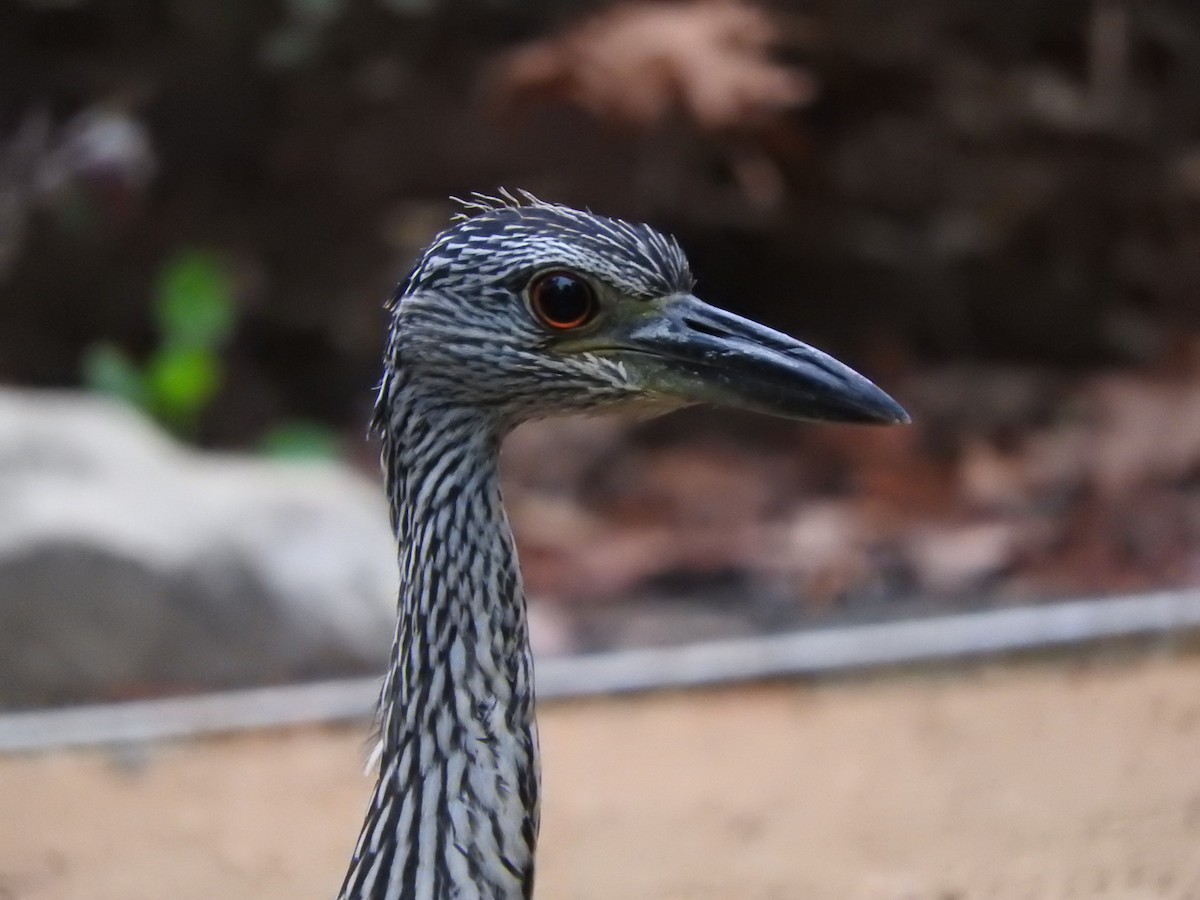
(455, 810)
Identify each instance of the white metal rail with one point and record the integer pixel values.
(815, 652)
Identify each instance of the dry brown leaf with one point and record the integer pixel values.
(641, 63)
(821, 555)
(959, 558)
(991, 480)
(568, 554)
(1150, 430)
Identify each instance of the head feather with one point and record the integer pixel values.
(514, 234)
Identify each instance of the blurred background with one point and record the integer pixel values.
(991, 209)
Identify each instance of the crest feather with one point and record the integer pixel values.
(477, 202)
(512, 231)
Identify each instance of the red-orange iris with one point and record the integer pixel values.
(562, 300)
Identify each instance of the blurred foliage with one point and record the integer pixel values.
(195, 313)
(195, 301)
(194, 308)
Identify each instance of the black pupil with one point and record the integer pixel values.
(563, 298)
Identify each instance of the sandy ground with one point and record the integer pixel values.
(1041, 781)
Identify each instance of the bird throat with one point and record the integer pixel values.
(455, 810)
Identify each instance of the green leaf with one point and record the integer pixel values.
(301, 440)
(194, 302)
(107, 370)
(181, 381)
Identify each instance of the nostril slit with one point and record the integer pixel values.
(705, 328)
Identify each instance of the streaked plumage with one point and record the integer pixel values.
(455, 809)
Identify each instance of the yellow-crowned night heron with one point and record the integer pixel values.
(522, 309)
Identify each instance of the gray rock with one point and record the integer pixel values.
(130, 564)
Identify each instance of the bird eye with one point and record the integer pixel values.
(562, 300)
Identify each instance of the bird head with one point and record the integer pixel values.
(528, 309)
